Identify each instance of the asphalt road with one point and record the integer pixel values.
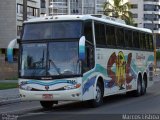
(114, 107)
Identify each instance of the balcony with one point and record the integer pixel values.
(153, 2)
(157, 31)
(150, 21)
(32, 1)
(152, 12)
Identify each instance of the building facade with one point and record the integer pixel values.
(11, 12)
(71, 7)
(146, 14)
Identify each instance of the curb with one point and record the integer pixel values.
(10, 101)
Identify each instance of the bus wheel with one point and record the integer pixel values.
(99, 96)
(47, 104)
(143, 86)
(139, 87)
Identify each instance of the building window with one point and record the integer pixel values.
(31, 11)
(19, 29)
(36, 12)
(134, 6)
(43, 4)
(19, 8)
(135, 15)
(151, 26)
(151, 17)
(152, 0)
(149, 7)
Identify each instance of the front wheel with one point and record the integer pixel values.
(47, 104)
(99, 96)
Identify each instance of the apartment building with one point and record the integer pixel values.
(71, 7)
(11, 19)
(146, 14)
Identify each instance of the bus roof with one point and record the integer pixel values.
(112, 21)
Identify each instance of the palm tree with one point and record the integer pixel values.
(118, 9)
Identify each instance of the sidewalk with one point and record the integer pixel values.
(9, 95)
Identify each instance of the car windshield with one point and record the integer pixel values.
(61, 59)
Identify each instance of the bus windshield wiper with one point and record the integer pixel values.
(54, 65)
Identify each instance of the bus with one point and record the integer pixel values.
(83, 58)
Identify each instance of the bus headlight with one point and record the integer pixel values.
(26, 88)
(69, 87)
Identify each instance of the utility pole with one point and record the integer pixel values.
(24, 10)
(154, 42)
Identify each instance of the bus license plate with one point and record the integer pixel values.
(47, 96)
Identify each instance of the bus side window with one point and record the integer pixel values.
(110, 33)
(128, 38)
(89, 54)
(88, 31)
(151, 42)
(100, 34)
(136, 40)
(144, 42)
(89, 59)
(147, 41)
(120, 37)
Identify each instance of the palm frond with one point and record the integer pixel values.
(117, 3)
(107, 5)
(128, 13)
(119, 10)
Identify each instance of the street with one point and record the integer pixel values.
(113, 105)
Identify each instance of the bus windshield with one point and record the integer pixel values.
(52, 59)
(52, 30)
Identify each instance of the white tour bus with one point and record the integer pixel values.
(83, 58)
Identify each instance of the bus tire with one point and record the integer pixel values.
(144, 86)
(98, 101)
(47, 104)
(138, 92)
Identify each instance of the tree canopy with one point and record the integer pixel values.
(119, 9)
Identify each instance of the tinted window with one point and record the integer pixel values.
(151, 42)
(136, 39)
(142, 40)
(128, 38)
(100, 34)
(147, 41)
(110, 32)
(55, 30)
(120, 37)
(88, 31)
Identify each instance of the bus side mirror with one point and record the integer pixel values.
(10, 50)
(82, 48)
(18, 41)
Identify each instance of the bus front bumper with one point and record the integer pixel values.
(74, 95)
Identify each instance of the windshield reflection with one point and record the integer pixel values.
(33, 60)
(52, 30)
(61, 59)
